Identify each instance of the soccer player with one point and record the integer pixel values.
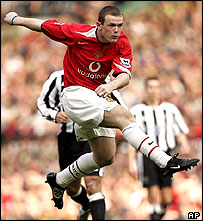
(92, 52)
(164, 123)
(49, 106)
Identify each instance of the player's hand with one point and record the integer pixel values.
(104, 90)
(61, 117)
(9, 16)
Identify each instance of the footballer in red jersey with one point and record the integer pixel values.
(88, 61)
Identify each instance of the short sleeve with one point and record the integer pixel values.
(122, 63)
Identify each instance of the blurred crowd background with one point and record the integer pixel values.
(166, 38)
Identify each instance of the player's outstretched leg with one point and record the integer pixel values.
(176, 164)
(143, 143)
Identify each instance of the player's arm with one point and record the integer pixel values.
(34, 24)
(132, 163)
(184, 144)
(119, 82)
(181, 131)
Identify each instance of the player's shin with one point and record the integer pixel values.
(143, 143)
(79, 168)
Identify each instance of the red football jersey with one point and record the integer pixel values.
(87, 61)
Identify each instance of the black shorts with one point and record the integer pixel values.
(70, 150)
(152, 175)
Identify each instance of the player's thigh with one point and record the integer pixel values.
(104, 149)
(166, 193)
(93, 184)
(118, 117)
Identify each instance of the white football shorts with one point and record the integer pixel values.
(86, 109)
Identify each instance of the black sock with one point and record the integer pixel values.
(98, 208)
(163, 207)
(82, 199)
(155, 216)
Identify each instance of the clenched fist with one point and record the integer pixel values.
(9, 17)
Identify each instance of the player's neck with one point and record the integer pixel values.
(153, 102)
(100, 37)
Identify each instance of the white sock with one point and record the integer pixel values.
(79, 168)
(151, 208)
(143, 143)
(155, 208)
(96, 196)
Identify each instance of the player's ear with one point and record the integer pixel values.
(99, 25)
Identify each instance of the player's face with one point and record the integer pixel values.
(110, 31)
(153, 89)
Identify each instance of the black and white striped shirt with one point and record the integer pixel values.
(49, 102)
(162, 123)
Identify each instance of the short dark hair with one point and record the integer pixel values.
(151, 77)
(109, 10)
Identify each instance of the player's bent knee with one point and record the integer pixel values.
(93, 185)
(109, 161)
(106, 162)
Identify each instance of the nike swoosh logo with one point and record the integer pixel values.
(82, 43)
(177, 167)
(151, 143)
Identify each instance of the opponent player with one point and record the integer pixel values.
(91, 54)
(163, 121)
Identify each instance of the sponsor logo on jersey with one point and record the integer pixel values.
(125, 62)
(94, 66)
(91, 75)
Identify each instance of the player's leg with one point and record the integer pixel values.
(121, 118)
(160, 195)
(150, 179)
(103, 154)
(154, 198)
(104, 149)
(69, 150)
(96, 198)
(78, 194)
(93, 187)
(167, 198)
(84, 164)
